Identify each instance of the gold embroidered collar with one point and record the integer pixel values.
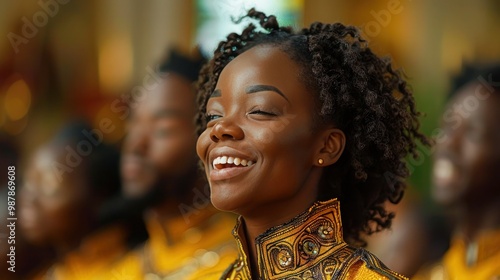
(291, 248)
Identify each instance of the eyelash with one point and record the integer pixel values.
(259, 112)
(211, 117)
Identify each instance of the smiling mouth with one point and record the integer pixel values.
(230, 162)
(444, 172)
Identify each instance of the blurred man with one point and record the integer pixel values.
(466, 175)
(188, 238)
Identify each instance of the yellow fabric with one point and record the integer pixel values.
(360, 271)
(484, 261)
(200, 249)
(310, 246)
(93, 259)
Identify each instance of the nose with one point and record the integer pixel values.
(226, 130)
(137, 140)
(453, 140)
(28, 194)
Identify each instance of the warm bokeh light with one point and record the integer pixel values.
(110, 124)
(17, 100)
(3, 117)
(115, 63)
(15, 127)
(455, 50)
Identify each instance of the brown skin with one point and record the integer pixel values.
(48, 206)
(160, 143)
(160, 139)
(275, 132)
(471, 150)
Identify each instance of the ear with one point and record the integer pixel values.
(331, 146)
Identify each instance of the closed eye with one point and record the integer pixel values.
(259, 112)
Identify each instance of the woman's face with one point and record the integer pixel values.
(259, 147)
(55, 206)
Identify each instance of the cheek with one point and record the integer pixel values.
(480, 168)
(173, 151)
(62, 214)
(288, 155)
(475, 155)
(289, 144)
(481, 162)
(202, 144)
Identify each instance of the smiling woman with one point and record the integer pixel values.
(292, 125)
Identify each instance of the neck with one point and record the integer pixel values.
(475, 218)
(263, 217)
(72, 241)
(255, 226)
(177, 203)
(320, 222)
(64, 248)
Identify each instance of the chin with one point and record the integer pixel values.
(134, 190)
(34, 238)
(446, 198)
(223, 203)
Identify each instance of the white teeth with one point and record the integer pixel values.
(443, 169)
(216, 161)
(231, 160)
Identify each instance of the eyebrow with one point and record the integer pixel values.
(168, 113)
(216, 93)
(253, 89)
(258, 88)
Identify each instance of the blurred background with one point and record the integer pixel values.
(62, 59)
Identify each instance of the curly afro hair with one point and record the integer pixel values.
(354, 90)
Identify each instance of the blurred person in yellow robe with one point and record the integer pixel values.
(417, 236)
(188, 238)
(466, 174)
(66, 184)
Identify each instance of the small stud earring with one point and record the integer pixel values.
(320, 161)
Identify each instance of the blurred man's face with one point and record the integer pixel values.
(160, 141)
(467, 162)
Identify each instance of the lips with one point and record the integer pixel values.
(132, 168)
(29, 216)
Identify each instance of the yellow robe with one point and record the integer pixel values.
(308, 247)
(200, 249)
(93, 259)
(479, 261)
